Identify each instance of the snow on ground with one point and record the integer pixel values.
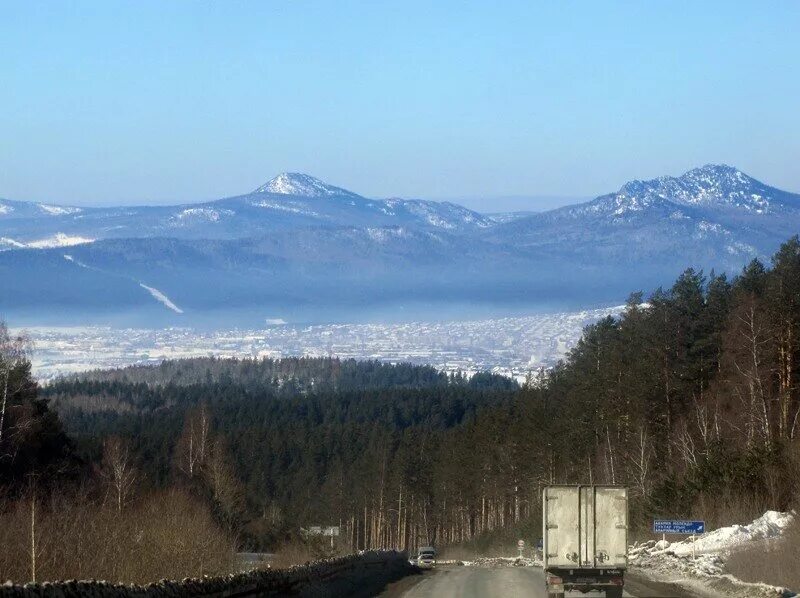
(58, 210)
(292, 207)
(59, 240)
(769, 526)
(209, 214)
(491, 562)
(705, 571)
(9, 242)
(70, 258)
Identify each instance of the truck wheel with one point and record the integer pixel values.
(614, 593)
(555, 594)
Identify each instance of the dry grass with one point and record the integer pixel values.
(303, 551)
(165, 535)
(290, 555)
(776, 562)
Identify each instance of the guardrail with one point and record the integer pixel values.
(362, 574)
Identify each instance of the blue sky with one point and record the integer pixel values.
(149, 102)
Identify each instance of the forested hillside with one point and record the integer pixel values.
(690, 398)
(300, 441)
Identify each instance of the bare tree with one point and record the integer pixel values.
(193, 445)
(221, 478)
(118, 469)
(750, 342)
(641, 458)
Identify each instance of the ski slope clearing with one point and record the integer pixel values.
(706, 572)
(161, 298)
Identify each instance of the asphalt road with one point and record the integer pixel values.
(506, 582)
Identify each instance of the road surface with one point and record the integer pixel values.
(505, 582)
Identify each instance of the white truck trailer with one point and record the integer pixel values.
(585, 534)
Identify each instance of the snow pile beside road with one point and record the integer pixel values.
(769, 526)
(490, 562)
(705, 573)
(674, 562)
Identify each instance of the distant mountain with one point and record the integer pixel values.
(714, 216)
(302, 185)
(288, 201)
(717, 187)
(14, 210)
(298, 245)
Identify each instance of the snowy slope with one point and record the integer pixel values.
(59, 240)
(303, 185)
(715, 186)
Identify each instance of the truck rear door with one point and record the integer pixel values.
(585, 527)
(560, 523)
(611, 527)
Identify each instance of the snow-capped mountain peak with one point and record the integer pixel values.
(303, 185)
(712, 185)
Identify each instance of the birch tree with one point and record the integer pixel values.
(118, 470)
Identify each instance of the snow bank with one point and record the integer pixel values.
(673, 561)
(495, 562)
(769, 526)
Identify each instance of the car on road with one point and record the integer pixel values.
(426, 558)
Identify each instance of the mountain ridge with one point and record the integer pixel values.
(708, 184)
(330, 250)
(287, 201)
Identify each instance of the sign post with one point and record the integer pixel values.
(674, 526)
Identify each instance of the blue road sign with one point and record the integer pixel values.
(673, 526)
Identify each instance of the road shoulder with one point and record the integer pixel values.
(645, 587)
(398, 588)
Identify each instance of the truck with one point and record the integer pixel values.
(585, 539)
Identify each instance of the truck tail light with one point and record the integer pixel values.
(552, 580)
(617, 581)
